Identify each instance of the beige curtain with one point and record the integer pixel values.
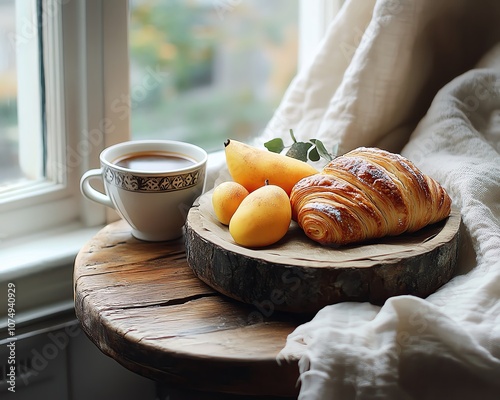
(380, 65)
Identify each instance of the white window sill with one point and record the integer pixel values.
(32, 254)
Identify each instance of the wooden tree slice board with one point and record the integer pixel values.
(299, 275)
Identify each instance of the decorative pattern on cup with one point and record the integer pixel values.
(135, 183)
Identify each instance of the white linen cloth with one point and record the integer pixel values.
(380, 66)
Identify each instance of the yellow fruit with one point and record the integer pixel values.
(226, 198)
(262, 218)
(251, 167)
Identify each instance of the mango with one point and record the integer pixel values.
(251, 167)
(226, 198)
(262, 218)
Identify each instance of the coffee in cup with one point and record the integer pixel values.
(151, 184)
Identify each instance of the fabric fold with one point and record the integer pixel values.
(378, 68)
(447, 345)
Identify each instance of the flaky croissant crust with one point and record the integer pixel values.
(365, 194)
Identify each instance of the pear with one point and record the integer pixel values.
(226, 199)
(262, 218)
(251, 167)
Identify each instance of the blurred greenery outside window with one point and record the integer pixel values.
(203, 71)
(9, 163)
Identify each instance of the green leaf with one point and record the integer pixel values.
(299, 150)
(322, 150)
(293, 136)
(313, 154)
(275, 145)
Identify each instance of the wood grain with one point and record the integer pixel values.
(301, 276)
(141, 304)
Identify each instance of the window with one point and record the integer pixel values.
(63, 108)
(10, 170)
(32, 173)
(21, 138)
(205, 71)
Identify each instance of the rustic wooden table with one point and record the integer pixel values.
(140, 304)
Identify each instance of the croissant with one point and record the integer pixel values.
(366, 194)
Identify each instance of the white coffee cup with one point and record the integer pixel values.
(155, 202)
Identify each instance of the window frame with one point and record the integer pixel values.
(82, 77)
(314, 19)
(21, 207)
(96, 46)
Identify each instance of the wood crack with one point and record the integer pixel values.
(172, 302)
(174, 255)
(113, 244)
(198, 332)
